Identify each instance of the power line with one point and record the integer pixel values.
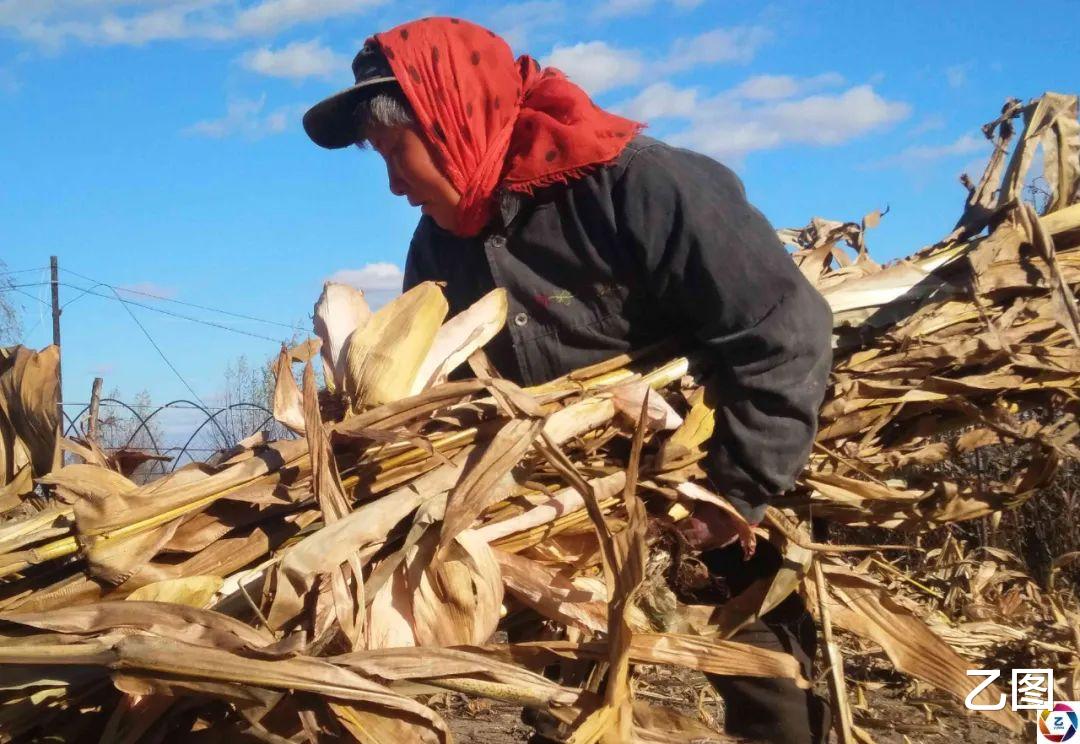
(27, 294)
(41, 313)
(23, 271)
(170, 313)
(159, 351)
(116, 290)
(36, 324)
(187, 304)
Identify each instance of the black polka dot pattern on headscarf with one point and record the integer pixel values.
(457, 81)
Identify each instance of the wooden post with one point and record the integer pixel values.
(95, 403)
(55, 271)
(58, 460)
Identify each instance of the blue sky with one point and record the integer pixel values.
(156, 145)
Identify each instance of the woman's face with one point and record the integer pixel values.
(413, 173)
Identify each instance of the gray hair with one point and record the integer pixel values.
(387, 108)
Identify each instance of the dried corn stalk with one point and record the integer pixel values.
(317, 566)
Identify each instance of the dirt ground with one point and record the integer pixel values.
(890, 715)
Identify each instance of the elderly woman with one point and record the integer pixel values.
(606, 241)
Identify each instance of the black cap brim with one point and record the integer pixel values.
(330, 123)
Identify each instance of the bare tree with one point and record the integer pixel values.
(245, 405)
(119, 428)
(10, 320)
(134, 428)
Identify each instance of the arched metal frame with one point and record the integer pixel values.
(213, 417)
(144, 421)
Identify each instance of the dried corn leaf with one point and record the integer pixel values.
(485, 478)
(866, 609)
(194, 591)
(346, 580)
(364, 527)
(29, 396)
(288, 404)
(580, 601)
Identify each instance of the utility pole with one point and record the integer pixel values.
(56, 340)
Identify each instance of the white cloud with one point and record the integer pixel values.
(831, 119)
(767, 87)
(665, 101)
(516, 21)
(659, 101)
(52, 23)
(929, 123)
(245, 117)
(274, 15)
(738, 44)
(531, 13)
(917, 156)
(164, 24)
(729, 140)
(380, 281)
(777, 87)
(597, 66)
(296, 61)
(621, 8)
(729, 125)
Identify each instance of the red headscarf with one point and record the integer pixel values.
(494, 121)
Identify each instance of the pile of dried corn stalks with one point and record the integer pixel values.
(322, 586)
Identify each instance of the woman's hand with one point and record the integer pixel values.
(708, 527)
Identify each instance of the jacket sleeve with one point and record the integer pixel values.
(718, 272)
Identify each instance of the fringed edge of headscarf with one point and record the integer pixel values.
(567, 175)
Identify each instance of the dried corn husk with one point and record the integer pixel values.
(385, 355)
(321, 565)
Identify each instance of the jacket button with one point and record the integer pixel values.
(497, 241)
(521, 319)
